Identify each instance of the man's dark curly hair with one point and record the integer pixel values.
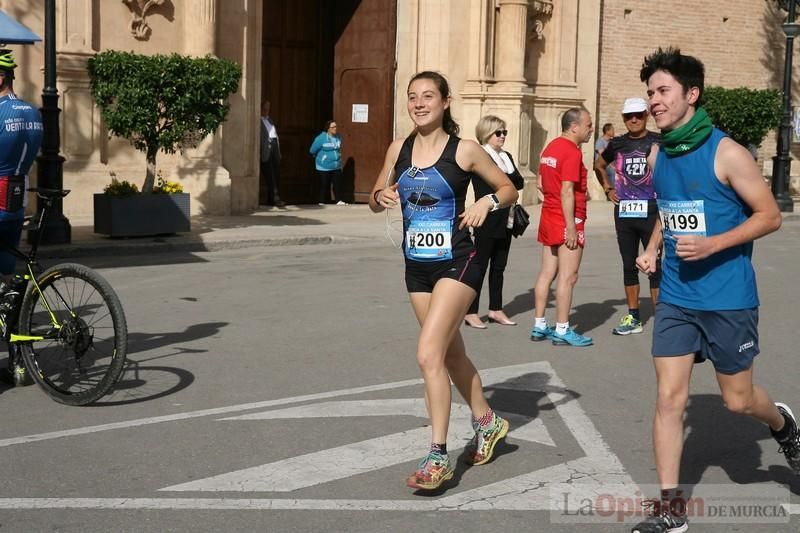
(688, 70)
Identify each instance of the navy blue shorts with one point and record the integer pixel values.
(422, 276)
(728, 338)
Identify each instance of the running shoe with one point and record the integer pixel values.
(661, 520)
(542, 334)
(628, 325)
(481, 447)
(433, 470)
(571, 337)
(790, 448)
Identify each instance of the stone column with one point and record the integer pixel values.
(201, 171)
(511, 40)
(200, 27)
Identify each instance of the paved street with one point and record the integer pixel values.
(275, 389)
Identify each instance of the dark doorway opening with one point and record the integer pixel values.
(322, 60)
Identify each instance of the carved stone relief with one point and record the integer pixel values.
(538, 12)
(139, 9)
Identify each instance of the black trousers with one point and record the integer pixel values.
(492, 252)
(326, 179)
(630, 232)
(270, 179)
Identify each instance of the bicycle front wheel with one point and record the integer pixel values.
(85, 337)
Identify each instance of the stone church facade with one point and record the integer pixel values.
(350, 60)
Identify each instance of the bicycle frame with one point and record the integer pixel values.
(30, 276)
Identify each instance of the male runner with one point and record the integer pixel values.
(713, 204)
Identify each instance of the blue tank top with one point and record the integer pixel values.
(692, 201)
(20, 138)
(431, 199)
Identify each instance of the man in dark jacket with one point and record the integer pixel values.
(270, 160)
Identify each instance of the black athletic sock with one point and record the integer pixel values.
(634, 313)
(674, 501)
(441, 449)
(787, 431)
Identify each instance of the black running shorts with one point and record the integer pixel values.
(421, 276)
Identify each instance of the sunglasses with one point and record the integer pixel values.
(639, 114)
(500, 133)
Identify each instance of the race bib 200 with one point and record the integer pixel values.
(429, 240)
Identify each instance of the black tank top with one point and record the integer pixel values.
(431, 199)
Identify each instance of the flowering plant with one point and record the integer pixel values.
(167, 187)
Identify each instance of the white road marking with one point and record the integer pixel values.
(523, 427)
(341, 462)
(487, 379)
(204, 412)
(527, 491)
(253, 504)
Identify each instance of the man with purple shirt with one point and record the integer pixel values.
(635, 209)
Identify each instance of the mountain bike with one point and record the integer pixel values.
(67, 331)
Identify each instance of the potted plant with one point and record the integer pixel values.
(160, 103)
(122, 211)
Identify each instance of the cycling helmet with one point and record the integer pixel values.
(7, 64)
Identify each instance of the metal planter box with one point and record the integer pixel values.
(141, 215)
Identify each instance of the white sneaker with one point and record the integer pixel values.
(341, 203)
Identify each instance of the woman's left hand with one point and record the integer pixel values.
(475, 215)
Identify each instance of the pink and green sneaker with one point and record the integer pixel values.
(481, 447)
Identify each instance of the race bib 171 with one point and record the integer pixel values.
(633, 208)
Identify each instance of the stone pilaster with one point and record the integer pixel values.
(200, 28)
(563, 76)
(498, 86)
(201, 170)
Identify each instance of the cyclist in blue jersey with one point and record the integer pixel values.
(713, 203)
(20, 138)
(433, 168)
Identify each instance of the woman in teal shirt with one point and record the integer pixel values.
(327, 151)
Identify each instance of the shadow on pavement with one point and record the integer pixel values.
(145, 383)
(274, 217)
(142, 342)
(588, 316)
(718, 437)
(140, 383)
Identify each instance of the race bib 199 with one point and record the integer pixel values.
(633, 208)
(682, 217)
(429, 240)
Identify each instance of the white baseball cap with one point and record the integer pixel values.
(634, 105)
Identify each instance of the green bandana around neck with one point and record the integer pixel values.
(689, 136)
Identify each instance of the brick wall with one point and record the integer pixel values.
(739, 41)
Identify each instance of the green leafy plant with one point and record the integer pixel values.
(162, 102)
(745, 114)
(120, 188)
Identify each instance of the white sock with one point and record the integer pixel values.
(561, 329)
(540, 323)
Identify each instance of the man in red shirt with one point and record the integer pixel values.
(562, 179)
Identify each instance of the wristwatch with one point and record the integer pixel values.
(495, 201)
